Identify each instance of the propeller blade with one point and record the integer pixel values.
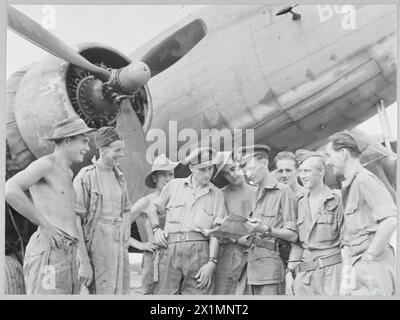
(174, 47)
(134, 164)
(35, 33)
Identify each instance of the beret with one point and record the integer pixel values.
(302, 155)
(106, 135)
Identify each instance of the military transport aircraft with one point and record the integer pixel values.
(294, 74)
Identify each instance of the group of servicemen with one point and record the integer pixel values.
(301, 239)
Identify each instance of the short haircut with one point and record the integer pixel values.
(286, 155)
(320, 163)
(342, 140)
(250, 159)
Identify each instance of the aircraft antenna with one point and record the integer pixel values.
(288, 9)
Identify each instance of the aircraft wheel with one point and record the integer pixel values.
(14, 281)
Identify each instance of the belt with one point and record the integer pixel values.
(319, 263)
(111, 220)
(67, 239)
(186, 237)
(265, 244)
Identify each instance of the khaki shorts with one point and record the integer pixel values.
(376, 277)
(178, 266)
(320, 282)
(230, 266)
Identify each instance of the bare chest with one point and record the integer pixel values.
(57, 184)
(239, 203)
(112, 195)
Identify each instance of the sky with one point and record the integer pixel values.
(124, 27)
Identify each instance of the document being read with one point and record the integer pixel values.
(232, 227)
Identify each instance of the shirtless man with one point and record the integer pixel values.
(286, 171)
(102, 202)
(50, 258)
(161, 173)
(239, 197)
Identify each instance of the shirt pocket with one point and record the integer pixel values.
(204, 218)
(327, 226)
(354, 217)
(269, 217)
(173, 211)
(266, 265)
(263, 253)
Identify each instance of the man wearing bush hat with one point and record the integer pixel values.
(102, 202)
(162, 172)
(188, 258)
(50, 257)
(273, 219)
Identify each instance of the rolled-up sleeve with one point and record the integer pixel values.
(288, 209)
(81, 196)
(378, 198)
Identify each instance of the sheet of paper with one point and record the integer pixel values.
(233, 227)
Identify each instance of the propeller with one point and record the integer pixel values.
(125, 80)
(128, 78)
(35, 33)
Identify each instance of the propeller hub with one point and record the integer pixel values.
(133, 76)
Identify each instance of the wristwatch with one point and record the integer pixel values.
(268, 232)
(155, 228)
(213, 260)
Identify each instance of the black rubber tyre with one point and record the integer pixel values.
(14, 281)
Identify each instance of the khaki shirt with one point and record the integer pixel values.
(89, 198)
(276, 207)
(366, 202)
(185, 210)
(325, 230)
